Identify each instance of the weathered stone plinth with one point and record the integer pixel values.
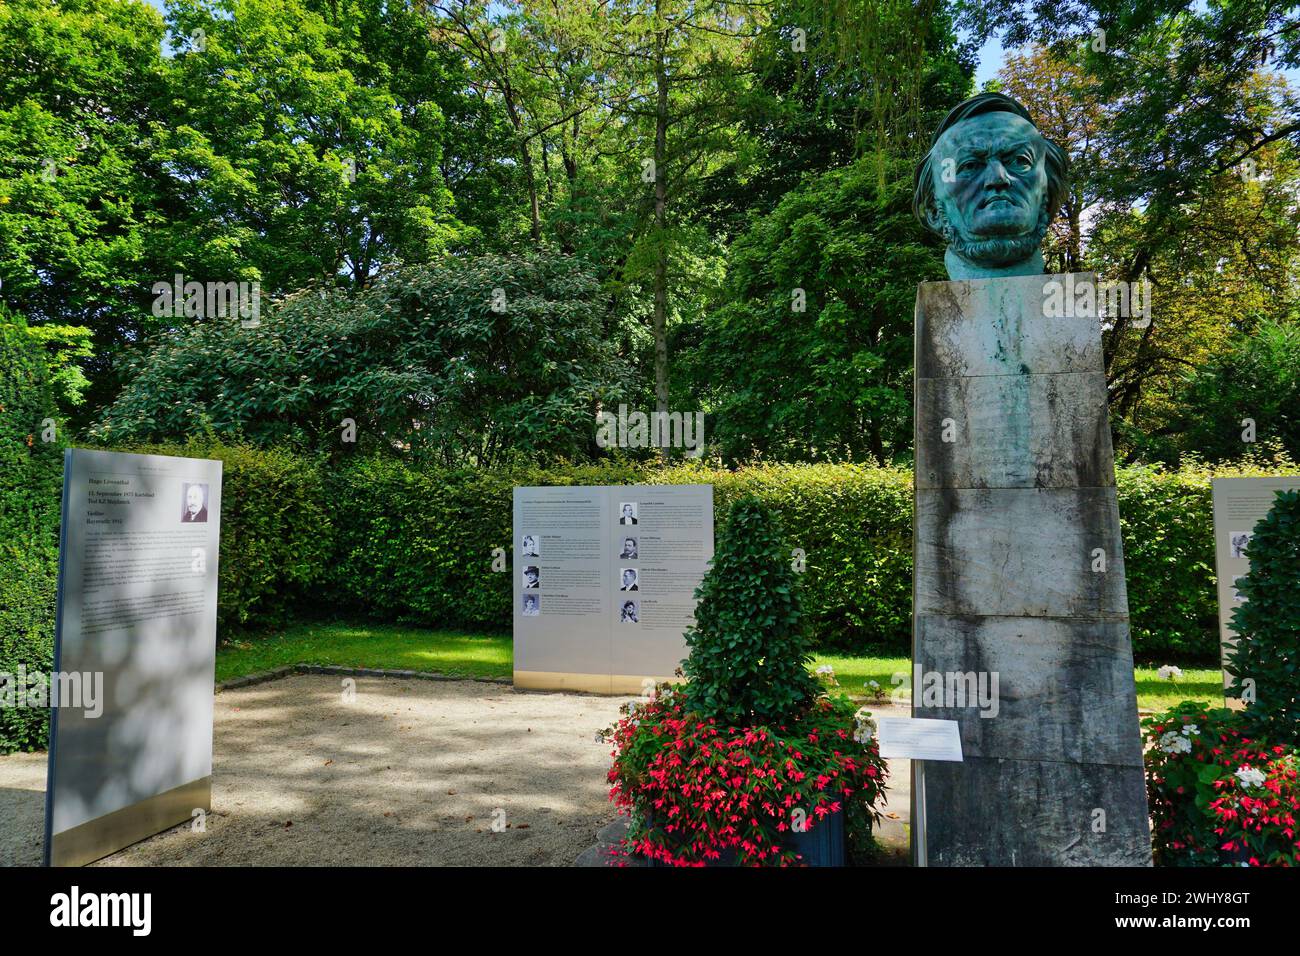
(1020, 574)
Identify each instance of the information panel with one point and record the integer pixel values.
(137, 618)
(604, 583)
(1239, 505)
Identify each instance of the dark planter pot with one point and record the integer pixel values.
(822, 845)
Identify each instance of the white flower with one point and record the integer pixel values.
(825, 669)
(1169, 672)
(1173, 743)
(1250, 777)
(873, 685)
(864, 726)
(1191, 729)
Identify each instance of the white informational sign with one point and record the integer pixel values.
(604, 583)
(918, 738)
(134, 651)
(1239, 505)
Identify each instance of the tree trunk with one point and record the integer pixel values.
(661, 241)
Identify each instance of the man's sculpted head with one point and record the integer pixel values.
(990, 185)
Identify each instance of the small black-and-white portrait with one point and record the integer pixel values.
(627, 512)
(1238, 540)
(532, 605)
(629, 549)
(532, 577)
(195, 503)
(628, 580)
(528, 547)
(630, 613)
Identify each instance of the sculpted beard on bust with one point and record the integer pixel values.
(996, 250)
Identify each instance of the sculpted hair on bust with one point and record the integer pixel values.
(1057, 163)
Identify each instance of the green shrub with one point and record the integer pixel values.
(1265, 664)
(422, 356)
(749, 648)
(31, 480)
(854, 526)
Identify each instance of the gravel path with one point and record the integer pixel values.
(412, 772)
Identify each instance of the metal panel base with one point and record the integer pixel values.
(96, 839)
(616, 685)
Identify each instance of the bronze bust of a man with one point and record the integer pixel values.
(990, 185)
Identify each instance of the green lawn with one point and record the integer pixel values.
(370, 645)
(392, 647)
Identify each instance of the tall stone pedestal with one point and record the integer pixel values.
(1020, 574)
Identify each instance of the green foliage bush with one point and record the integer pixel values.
(417, 544)
(749, 648)
(378, 537)
(461, 360)
(31, 480)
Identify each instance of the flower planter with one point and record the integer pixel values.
(822, 845)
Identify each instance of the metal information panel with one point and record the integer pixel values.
(137, 621)
(1239, 505)
(604, 583)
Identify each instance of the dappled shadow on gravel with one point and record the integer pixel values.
(410, 772)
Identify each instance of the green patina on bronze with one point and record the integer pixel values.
(990, 185)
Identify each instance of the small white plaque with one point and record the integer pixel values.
(918, 738)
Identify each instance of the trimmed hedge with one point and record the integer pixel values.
(31, 483)
(1167, 520)
(417, 545)
(378, 538)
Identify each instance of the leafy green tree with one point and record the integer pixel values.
(1263, 664)
(460, 361)
(309, 142)
(672, 73)
(835, 81)
(750, 650)
(809, 357)
(80, 83)
(1256, 378)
